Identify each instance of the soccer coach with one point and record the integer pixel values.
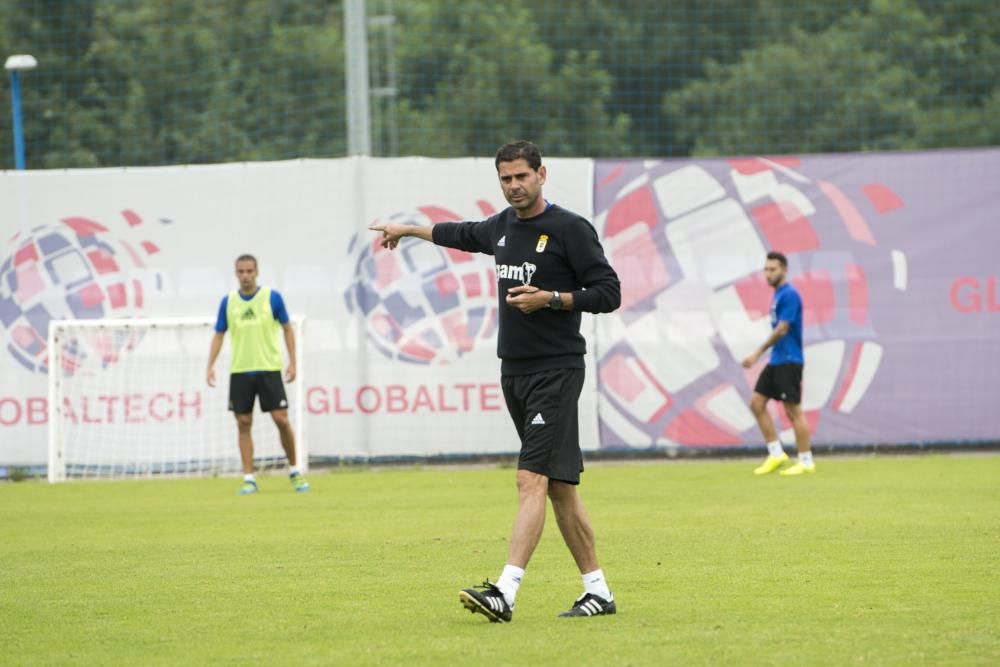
(550, 267)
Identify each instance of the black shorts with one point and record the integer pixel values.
(782, 382)
(544, 409)
(245, 387)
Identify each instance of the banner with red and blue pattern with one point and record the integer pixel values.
(895, 256)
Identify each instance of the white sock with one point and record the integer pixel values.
(806, 458)
(294, 470)
(509, 582)
(249, 478)
(595, 583)
(774, 449)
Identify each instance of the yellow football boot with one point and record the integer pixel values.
(799, 469)
(770, 464)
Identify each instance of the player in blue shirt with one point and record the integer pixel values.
(781, 379)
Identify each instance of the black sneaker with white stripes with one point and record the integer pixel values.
(589, 604)
(489, 602)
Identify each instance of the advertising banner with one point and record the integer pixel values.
(895, 256)
(400, 351)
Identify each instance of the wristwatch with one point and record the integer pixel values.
(555, 303)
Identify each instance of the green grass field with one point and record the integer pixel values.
(875, 560)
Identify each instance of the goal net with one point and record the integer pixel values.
(129, 398)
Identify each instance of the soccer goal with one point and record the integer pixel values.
(129, 398)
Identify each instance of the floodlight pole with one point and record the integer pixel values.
(15, 103)
(359, 134)
(14, 65)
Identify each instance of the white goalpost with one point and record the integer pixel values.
(128, 398)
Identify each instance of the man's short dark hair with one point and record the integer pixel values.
(518, 150)
(778, 257)
(247, 258)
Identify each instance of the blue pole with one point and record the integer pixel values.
(15, 102)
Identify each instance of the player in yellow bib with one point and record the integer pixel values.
(254, 315)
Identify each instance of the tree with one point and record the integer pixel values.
(58, 35)
(870, 81)
(135, 83)
(654, 48)
(487, 83)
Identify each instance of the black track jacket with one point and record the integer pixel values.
(556, 250)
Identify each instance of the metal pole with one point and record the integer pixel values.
(382, 65)
(15, 102)
(359, 136)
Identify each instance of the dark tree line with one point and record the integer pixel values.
(138, 82)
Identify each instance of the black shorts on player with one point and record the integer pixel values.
(544, 409)
(245, 387)
(782, 382)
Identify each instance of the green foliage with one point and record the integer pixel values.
(883, 78)
(483, 84)
(885, 561)
(128, 82)
(17, 474)
(138, 82)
